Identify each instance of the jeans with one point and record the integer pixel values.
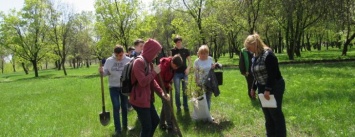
(116, 95)
(176, 79)
(274, 118)
(208, 99)
(149, 120)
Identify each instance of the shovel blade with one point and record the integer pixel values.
(104, 118)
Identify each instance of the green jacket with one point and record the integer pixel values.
(245, 61)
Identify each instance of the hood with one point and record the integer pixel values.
(150, 49)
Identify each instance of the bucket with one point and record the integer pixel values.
(219, 77)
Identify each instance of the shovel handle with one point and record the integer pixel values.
(170, 107)
(102, 90)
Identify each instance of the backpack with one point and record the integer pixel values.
(126, 84)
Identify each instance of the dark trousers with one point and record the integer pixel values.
(118, 100)
(249, 80)
(149, 120)
(165, 114)
(274, 118)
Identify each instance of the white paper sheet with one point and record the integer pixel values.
(271, 103)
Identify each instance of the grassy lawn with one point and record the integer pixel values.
(318, 101)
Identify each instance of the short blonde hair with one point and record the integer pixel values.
(255, 39)
(203, 49)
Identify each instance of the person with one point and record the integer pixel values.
(130, 50)
(167, 65)
(268, 80)
(141, 96)
(161, 55)
(181, 73)
(245, 57)
(203, 64)
(138, 47)
(113, 68)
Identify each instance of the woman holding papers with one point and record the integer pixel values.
(268, 81)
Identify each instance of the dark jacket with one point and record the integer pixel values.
(211, 83)
(271, 69)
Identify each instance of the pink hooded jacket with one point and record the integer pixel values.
(141, 95)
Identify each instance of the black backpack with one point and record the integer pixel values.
(126, 84)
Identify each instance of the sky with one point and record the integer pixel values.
(79, 5)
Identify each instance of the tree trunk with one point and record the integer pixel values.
(35, 68)
(46, 64)
(267, 37)
(347, 42)
(87, 63)
(230, 51)
(73, 61)
(215, 47)
(56, 64)
(13, 64)
(78, 64)
(280, 42)
(24, 68)
(59, 64)
(320, 42)
(63, 66)
(297, 40)
(308, 45)
(2, 66)
(303, 45)
(289, 39)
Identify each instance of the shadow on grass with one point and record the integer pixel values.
(184, 120)
(79, 76)
(52, 76)
(130, 133)
(44, 76)
(217, 126)
(186, 123)
(255, 103)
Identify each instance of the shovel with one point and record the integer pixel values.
(170, 107)
(104, 116)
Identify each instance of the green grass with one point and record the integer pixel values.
(318, 101)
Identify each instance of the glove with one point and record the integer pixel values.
(156, 69)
